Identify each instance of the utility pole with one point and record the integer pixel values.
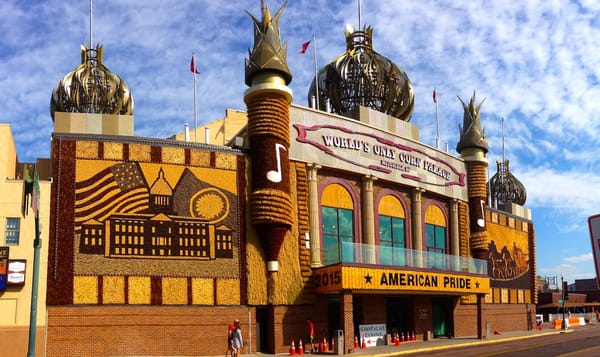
(564, 297)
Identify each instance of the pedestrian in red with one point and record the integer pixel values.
(311, 334)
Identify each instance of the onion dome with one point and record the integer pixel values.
(505, 188)
(91, 88)
(362, 77)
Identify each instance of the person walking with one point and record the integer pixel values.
(311, 334)
(236, 338)
(230, 330)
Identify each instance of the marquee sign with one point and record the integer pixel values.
(338, 277)
(351, 145)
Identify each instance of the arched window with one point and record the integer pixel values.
(337, 211)
(392, 231)
(435, 237)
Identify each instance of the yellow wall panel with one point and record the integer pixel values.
(225, 161)
(113, 290)
(228, 292)
(85, 290)
(87, 149)
(199, 158)
(203, 292)
(139, 290)
(336, 195)
(139, 152)
(174, 291)
(173, 155)
(113, 151)
(434, 215)
(391, 206)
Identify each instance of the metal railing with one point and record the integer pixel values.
(400, 257)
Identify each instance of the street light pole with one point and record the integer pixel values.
(562, 284)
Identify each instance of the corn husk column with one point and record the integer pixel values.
(268, 100)
(473, 147)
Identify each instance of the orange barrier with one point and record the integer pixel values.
(572, 321)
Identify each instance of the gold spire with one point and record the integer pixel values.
(268, 54)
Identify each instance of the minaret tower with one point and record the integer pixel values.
(268, 100)
(473, 147)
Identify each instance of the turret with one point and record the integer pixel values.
(473, 147)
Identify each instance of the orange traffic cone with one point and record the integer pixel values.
(413, 337)
(496, 332)
(364, 344)
(300, 348)
(402, 337)
(325, 349)
(397, 340)
(332, 345)
(292, 349)
(356, 342)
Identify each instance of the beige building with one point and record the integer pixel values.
(17, 233)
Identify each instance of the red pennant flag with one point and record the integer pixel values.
(304, 47)
(193, 68)
(434, 95)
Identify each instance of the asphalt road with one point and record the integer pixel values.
(578, 342)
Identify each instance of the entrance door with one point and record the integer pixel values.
(333, 315)
(397, 315)
(440, 317)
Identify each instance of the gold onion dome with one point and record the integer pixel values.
(362, 77)
(506, 188)
(91, 88)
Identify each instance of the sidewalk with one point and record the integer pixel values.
(434, 345)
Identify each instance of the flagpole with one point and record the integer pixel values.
(195, 105)
(91, 26)
(437, 120)
(316, 73)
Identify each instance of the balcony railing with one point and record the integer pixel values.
(400, 257)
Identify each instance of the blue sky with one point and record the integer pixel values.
(536, 62)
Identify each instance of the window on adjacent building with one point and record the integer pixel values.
(13, 228)
(338, 224)
(391, 231)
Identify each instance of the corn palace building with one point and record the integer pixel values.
(334, 212)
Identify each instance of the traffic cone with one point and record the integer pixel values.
(364, 344)
(356, 342)
(300, 348)
(413, 337)
(332, 345)
(397, 340)
(292, 349)
(325, 349)
(402, 337)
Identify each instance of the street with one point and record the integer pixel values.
(579, 341)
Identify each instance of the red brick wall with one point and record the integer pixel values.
(502, 317)
(143, 330)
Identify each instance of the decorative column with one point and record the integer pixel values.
(268, 101)
(473, 147)
(368, 221)
(454, 234)
(417, 226)
(313, 215)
